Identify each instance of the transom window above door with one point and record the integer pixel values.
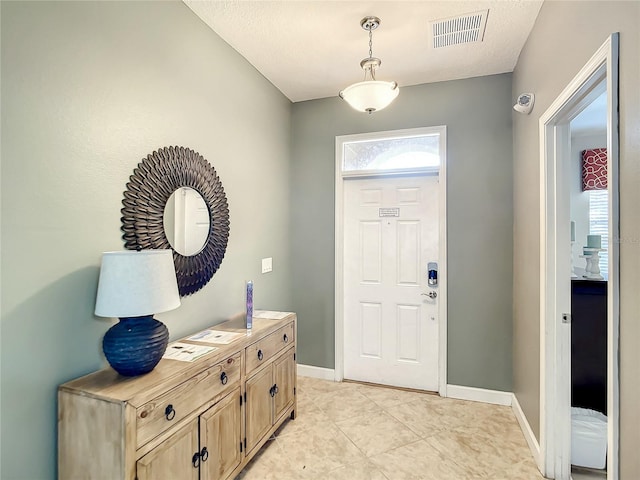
(417, 150)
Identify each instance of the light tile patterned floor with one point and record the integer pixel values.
(360, 432)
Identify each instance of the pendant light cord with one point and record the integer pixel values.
(370, 68)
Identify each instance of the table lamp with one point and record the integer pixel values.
(133, 286)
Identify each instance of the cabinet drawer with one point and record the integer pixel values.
(263, 350)
(165, 411)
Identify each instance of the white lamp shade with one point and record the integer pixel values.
(370, 96)
(135, 284)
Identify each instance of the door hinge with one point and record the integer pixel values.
(240, 400)
(294, 356)
(294, 390)
(240, 447)
(245, 397)
(566, 318)
(245, 443)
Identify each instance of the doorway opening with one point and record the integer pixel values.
(589, 213)
(390, 239)
(559, 262)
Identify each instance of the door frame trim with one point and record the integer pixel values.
(555, 374)
(339, 242)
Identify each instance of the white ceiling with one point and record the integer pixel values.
(312, 49)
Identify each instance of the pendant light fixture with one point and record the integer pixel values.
(370, 95)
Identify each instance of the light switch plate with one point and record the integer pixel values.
(267, 265)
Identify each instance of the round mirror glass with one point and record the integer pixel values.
(186, 221)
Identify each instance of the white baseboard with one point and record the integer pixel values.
(479, 395)
(534, 446)
(316, 372)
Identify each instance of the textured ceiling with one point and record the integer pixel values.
(312, 49)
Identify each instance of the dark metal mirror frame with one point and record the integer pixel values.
(153, 181)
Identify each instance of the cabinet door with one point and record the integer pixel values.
(259, 406)
(220, 435)
(173, 458)
(284, 373)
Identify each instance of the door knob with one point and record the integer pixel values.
(430, 294)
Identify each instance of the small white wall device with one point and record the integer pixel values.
(524, 104)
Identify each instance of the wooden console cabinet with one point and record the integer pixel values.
(184, 420)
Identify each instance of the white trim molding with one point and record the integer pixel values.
(317, 372)
(598, 75)
(474, 394)
(529, 436)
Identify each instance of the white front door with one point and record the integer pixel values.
(391, 233)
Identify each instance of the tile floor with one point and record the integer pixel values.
(360, 432)
(578, 473)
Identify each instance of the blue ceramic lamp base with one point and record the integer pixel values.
(135, 345)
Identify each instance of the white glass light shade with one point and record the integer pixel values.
(370, 96)
(135, 284)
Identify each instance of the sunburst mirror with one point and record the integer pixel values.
(175, 199)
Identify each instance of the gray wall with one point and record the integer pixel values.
(565, 36)
(88, 90)
(479, 174)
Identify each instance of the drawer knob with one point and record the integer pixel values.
(275, 388)
(169, 412)
(260, 355)
(223, 378)
(204, 454)
(285, 338)
(272, 391)
(195, 460)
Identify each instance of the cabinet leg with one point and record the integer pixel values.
(293, 414)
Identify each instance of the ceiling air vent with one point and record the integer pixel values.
(468, 28)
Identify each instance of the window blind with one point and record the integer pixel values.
(599, 224)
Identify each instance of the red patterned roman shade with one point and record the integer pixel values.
(594, 169)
